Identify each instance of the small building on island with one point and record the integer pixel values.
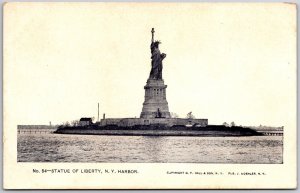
(84, 121)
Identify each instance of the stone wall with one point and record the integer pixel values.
(127, 122)
(110, 121)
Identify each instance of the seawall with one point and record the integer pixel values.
(207, 131)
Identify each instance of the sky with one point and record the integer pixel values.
(234, 62)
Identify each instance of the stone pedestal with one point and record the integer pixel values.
(155, 105)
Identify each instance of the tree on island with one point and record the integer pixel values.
(226, 124)
(66, 124)
(174, 115)
(232, 124)
(75, 122)
(190, 115)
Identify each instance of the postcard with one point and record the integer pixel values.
(149, 95)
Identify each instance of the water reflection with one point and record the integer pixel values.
(153, 149)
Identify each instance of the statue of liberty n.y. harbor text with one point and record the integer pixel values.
(157, 58)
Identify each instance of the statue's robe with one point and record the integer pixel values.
(156, 70)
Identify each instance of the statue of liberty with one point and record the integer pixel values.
(156, 59)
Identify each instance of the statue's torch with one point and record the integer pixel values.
(152, 31)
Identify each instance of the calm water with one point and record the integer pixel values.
(96, 148)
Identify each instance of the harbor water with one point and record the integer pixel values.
(50, 147)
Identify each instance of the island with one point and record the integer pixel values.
(155, 118)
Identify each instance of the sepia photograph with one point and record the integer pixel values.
(208, 88)
(155, 132)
